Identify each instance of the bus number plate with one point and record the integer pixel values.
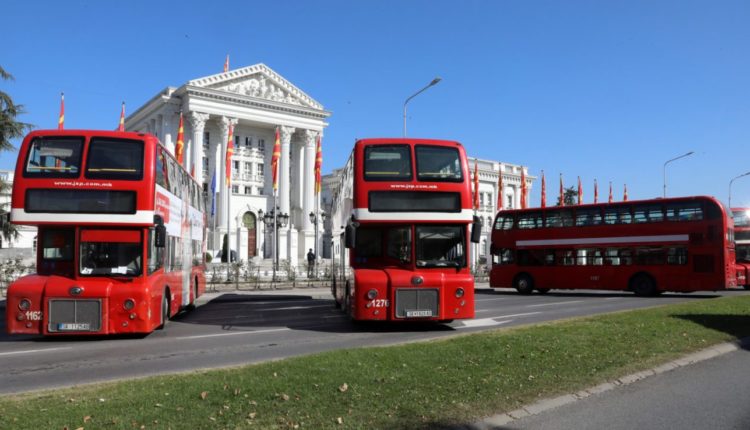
(73, 326)
(419, 313)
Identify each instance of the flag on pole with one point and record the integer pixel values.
(318, 165)
(523, 189)
(121, 126)
(179, 147)
(580, 191)
(275, 160)
(476, 185)
(500, 190)
(596, 192)
(544, 191)
(230, 151)
(562, 192)
(213, 193)
(625, 193)
(61, 118)
(226, 64)
(610, 191)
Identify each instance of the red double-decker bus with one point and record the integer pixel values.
(648, 247)
(406, 204)
(121, 234)
(742, 245)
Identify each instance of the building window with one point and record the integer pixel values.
(248, 190)
(236, 142)
(262, 144)
(235, 168)
(248, 142)
(206, 140)
(248, 168)
(260, 169)
(509, 205)
(205, 165)
(235, 189)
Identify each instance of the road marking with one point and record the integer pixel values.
(487, 300)
(514, 315)
(234, 333)
(552, 304)
(29, 351)
(482, 322)
(297, 308)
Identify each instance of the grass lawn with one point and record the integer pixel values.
(423, 385)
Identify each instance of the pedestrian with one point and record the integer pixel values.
(310, 263)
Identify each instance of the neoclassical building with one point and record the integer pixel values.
(254, 100)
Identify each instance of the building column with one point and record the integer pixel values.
(197, 124)
(284, 192)
(225, 192)
(307, 171)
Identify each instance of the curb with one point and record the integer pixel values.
(544, 405)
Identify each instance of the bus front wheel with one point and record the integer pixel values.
(643, 285)
(524, 284)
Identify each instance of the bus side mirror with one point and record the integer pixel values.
(476, 230)
(160, 236)
(350, 236)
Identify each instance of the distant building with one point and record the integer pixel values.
(25, 244)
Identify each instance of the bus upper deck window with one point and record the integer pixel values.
(54, 156)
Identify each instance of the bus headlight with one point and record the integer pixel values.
(459, 292)
(24, 304)
(128, 304)
(372, 294)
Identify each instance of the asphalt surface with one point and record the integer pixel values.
(234, 328)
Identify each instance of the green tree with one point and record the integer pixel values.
(570, 196)
(10, 128)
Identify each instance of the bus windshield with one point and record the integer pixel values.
(110, 253)
(54, 157)
(115, 159)
(440, 246)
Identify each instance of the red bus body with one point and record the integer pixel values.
(408, 203)
(99, 199)
(741, 218)
(648, 246)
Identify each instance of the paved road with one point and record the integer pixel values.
(712, 394)
(237, 328)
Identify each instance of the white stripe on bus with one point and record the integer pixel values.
(140, 217)
(363, 214)
(605, 240)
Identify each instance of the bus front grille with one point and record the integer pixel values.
(417, 303)
(66, 315)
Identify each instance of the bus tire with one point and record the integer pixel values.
(164, 310)
(348, 303)
(336, 303)
(524, 283)
(542, 290)
(643, 285)
(747, 287)
(191, 305)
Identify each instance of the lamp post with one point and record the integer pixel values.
(314, 221)
(730, 188)
(434, 82)
(275, 221)
(664, 171)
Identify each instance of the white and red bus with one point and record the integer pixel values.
(649, 246)
(742, 245)
(406, 204)
(121, 234)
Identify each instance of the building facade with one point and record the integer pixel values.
(24, 245)
(255, 102)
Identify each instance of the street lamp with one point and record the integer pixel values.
(314, 221)
(434, 82)
(730, 188)
(275, 221)
(664, 171)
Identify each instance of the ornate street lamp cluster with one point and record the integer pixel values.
(274, 220)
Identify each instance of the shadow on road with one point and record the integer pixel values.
(598, 293)
(737, 326)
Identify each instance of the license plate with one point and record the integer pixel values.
(73, 326)
(419, 313)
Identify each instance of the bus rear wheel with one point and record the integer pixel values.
(524, 283)
(643, 286)
(164, 310)
(542, 290)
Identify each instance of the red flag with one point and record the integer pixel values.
(121, 127)
(230, 151)
(275, 160)
(580, 191)
(523, 189)
(625, 193)
(318, 165)
(596, 192)
(61, 118)
(476, 186)
(500, 190)
(180, 145)
(226, 64)
(562, 192)
(544, 191)
(610, 191)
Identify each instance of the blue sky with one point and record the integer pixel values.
(606, 90)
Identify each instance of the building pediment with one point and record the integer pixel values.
(258, 81)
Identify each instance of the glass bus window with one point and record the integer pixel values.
(549, 257)
(611, 257)
(741, 218)
(161, 168)
(54, 157)
(677, 256)
(589, 257)
(530, 220)
(440, 246)
(399, 244)
(553, 219)
(617, 215)
(387, 162)
(155, 255)
(57, 244)
(742, 253)
(585, 217)
(505, 256)
(565, 257)
(115, 159)
(566, 216)
(110, 253)
(649, 256)
(369, 243)
(684, 211)
(529, 257)
(504, 222)
(626, 256)
(438, 163)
